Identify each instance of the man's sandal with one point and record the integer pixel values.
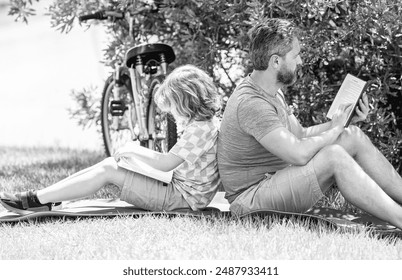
(25, 203)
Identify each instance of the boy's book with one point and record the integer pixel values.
(350, 92)
(126, 158)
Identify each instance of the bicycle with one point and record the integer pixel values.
(128, 110)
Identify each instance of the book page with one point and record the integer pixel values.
(349, 93)
(126, 159)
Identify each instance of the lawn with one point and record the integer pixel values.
(151, 237)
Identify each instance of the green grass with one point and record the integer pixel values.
(152, 237)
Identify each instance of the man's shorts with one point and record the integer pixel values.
(150, 194)
(292, 189)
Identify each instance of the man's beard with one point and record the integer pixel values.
(287, 77)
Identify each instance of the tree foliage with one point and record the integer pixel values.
(361, 37)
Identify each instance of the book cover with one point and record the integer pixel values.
(350, 92)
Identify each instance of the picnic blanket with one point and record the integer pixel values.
(219, 207)
(112, 208)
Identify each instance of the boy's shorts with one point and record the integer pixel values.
(292, 189)
(150, 194)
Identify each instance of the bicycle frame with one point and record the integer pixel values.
(133, 85)
(141, 99)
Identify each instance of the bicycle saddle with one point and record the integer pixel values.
(148, 52)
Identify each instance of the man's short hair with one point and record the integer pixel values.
(269, 37)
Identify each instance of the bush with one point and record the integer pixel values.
(363, 38)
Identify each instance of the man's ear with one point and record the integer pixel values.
(275, 61)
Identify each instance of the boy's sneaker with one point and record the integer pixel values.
(26, 203)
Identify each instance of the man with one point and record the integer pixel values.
(267, 160)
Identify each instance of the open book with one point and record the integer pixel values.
(350, 92)
(126, 158)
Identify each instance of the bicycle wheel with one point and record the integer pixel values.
(161, 126)
(114, 119)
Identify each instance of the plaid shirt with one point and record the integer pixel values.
(197, 177)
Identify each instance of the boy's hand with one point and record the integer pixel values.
(362, 110)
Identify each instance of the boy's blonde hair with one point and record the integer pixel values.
(189, 94)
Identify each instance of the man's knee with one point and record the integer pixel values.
(352, 139)
(327, 162)
(332, 157)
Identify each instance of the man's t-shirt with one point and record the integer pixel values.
(250, 114)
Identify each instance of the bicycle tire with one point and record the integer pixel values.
(164, 124)
(114, 138)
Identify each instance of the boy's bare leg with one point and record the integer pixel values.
(78, 173)
(359, 146)
(334, 164)
(84, 183)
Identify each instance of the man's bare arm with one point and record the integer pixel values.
(299, 150)
(303, 132)
(316, 129)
